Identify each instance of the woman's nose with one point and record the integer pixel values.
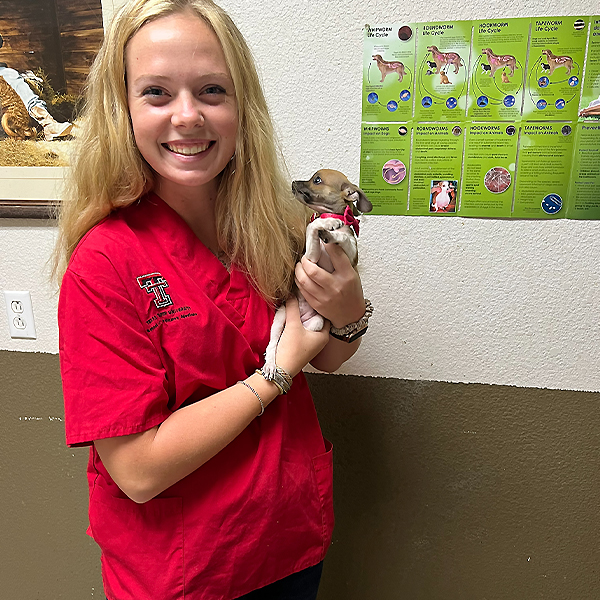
(187, 112)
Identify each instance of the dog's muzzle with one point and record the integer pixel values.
(300, 192)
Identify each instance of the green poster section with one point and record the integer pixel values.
(590, 97)
(441, 72)
(489, 169)
(497, 72)
(385, 161)
(489, 118)
(549, 145)
(585, 180)
(555, 73)
(388, 73)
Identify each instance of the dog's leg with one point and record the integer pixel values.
(313, 245)
(310, 318)
(344, 239)
(276, 331)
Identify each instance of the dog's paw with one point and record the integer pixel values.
(269, 369)
(338, 237)
(314, 323)
(327, 224)
(325, 236)
(331, 224)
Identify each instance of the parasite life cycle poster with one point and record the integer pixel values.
(491, 118)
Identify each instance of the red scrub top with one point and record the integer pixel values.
(150, 321)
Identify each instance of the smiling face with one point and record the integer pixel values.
(182, 104)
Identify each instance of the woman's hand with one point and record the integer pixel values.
(298, 346)
(338, 296)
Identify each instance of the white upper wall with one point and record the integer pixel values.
(470, 300)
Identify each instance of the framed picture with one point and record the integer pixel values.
(46, 49)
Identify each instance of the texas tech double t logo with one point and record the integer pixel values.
(155, 283)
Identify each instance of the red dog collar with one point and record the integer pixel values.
(348, 218)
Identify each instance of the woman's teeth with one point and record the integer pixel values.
(187, 150)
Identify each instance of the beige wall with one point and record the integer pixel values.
(443, 491)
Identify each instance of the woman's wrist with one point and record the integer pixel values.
(354, 330)
(264, 391)
(352, 311)
(278, 376)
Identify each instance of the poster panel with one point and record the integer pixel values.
(388, 72)
(436, 168)
(589, 107)
(489, 169)
(497, 70)
(385, 166)
(544, 170)
(555, 72)
(584, 200)
(441, 72)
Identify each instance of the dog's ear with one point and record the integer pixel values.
(354, 194)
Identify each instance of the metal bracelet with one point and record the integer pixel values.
(281, 378)
(360, 325)
(262, 406)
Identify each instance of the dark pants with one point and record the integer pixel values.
(299, 586)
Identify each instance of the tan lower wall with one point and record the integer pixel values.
(443, 491)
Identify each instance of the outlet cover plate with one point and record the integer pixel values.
(19, 311)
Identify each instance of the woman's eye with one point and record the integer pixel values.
(317, 180)
(214, 89)
(152, 91)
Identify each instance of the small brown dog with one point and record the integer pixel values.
(337, 203)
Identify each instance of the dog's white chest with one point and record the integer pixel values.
(443, 199)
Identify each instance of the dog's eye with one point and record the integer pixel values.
(317, 180)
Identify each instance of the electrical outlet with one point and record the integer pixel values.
(20, 315)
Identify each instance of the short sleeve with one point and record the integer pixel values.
(114, 383)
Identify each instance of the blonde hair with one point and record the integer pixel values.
(259, 224)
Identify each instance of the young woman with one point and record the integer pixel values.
(177, 239)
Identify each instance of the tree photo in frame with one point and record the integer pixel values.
(46, 49)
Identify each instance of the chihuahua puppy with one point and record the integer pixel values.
(336, 203)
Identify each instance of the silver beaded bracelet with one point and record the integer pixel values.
(262, 406)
